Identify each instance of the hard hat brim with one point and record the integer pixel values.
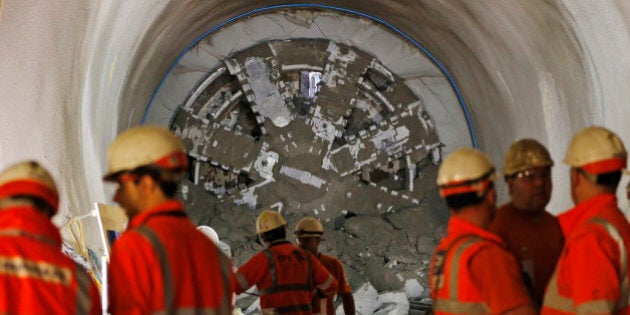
(112, 176)
(301, 234)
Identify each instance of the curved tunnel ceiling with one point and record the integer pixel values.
(523, 70)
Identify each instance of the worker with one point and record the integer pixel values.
(309, 232)
(35, 276)
(532, 234)
(591, 276)
(286, 276)
(471, 271)
(225, 248)
(161, 263)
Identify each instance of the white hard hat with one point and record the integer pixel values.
(597, 150)
(209, 232)
(525, 154)
(463, 171)
(29, 178)
(269, 220)
(143, 146)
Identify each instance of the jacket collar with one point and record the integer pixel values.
(170, 206)
(458, 227)
(585, 211)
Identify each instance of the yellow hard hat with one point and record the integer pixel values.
(309, 227)
(29, 178)
(463, 171)
(597, 150)
(269, 220)
(143, 146)
(525, 154)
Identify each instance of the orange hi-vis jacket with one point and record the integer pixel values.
(592, 274)
(334, 266)
(163, 265)
(286, 277)
(472, 273)
(35, 276)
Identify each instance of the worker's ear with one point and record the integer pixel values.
(573, 175)
(147, 183)
(491, 196)
(577, 178)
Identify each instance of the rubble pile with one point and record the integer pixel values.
(383, 253)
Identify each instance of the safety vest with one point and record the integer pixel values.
(276, 273)
(555, 302)
(451, 286)
(35, 275)
(169, 296)
(290, 282)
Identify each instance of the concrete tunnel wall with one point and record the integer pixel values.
(75, 73)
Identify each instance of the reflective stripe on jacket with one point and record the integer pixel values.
(169, 295)
(451, 287)
(334, 266)
(592, 274)
(35, 276)
(472, 272)
(163, 265)
(286, 277)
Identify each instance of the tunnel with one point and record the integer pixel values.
(461, 73)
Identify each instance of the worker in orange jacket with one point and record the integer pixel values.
(35, 276)
(532, 234)
(287, 277)
(591, 276)
(309, 232)
(161, 264)
(471, 270)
